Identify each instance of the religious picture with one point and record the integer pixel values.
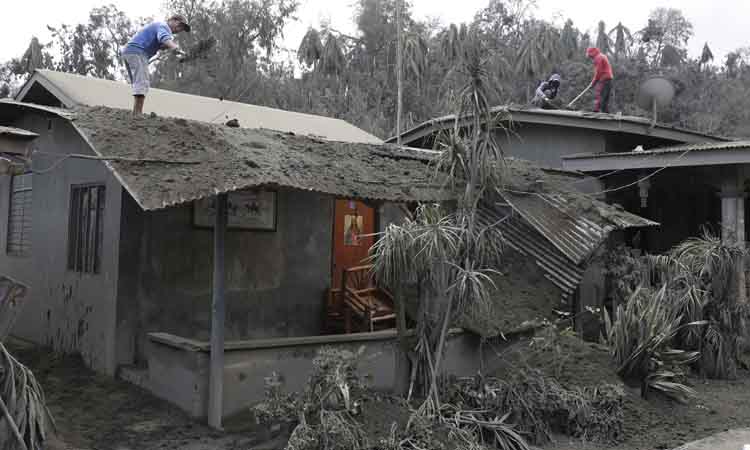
(352, 229)
(247, 210)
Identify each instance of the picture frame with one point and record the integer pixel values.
(248, 210)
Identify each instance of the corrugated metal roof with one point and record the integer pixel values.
(164, 161)
(574, 224)
(17, 132)
(703, 147)
(74, 90)
(559, 232)
(518, 234)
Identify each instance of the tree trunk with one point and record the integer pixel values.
(403, 366)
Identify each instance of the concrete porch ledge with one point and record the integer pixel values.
(256, 344)
(178, 367)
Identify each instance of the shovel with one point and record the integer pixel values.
(579, 96)
(198, 50)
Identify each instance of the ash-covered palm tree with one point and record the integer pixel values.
(310, 50)
(415, 51)
(539, 51)
(333, 60)
(622, 39)
(569, 40)
(706, 55)
(451, 41)
(603, 42)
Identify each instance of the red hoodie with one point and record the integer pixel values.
(602, 69)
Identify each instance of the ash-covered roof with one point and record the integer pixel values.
(689, 155)
(701, 147)
(574, 119)
(72, 90)
(166, 161)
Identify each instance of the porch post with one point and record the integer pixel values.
(733, 225)
(218, 311)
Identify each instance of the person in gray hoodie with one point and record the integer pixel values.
(547, 92)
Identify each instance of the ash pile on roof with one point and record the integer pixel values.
(200, 159)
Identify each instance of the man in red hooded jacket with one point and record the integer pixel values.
(602, 82)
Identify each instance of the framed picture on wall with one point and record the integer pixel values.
(246, 210)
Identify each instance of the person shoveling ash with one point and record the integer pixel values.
(602, 81)
(545, 96)
(144, 45)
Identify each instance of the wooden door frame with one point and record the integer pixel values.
(375, 205)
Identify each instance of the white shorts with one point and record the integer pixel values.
(137, 66)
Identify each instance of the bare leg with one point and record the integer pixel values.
(138, 101)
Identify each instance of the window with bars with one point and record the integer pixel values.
(19, 216)
(86, 228)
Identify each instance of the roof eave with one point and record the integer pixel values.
(625, 161)
(38, 77)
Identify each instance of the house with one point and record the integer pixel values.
(544, 136)
(110, 225)
(122, 227)
(685, 187)
(600, 147)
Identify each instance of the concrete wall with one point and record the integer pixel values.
(275, 280)
(72, 312)
(178, 367)
(546, 144)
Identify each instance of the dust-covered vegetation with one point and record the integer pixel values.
(337, 411)
(353, 76)
(680, 309)
(24, 419)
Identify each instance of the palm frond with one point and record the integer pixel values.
(23, 406)
(391, 255)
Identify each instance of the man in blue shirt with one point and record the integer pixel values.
(144, 45)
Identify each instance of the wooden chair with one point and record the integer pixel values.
(333, 323)
(372, 307)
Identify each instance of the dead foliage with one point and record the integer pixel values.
(24, 418)
(540, 406)
(337, 411)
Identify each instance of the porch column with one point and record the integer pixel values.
(733, 224)
(218, 311)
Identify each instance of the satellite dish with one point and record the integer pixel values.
(654, 94)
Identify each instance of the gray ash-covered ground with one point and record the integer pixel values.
(521, 297)
(96, 412)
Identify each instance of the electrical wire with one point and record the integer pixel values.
(64, 158)
(49, 169)
(619, 188)
(588, 178)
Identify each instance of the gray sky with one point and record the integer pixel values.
(723, 23)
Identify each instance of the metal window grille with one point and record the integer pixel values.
(19, 216)
(86, 228)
